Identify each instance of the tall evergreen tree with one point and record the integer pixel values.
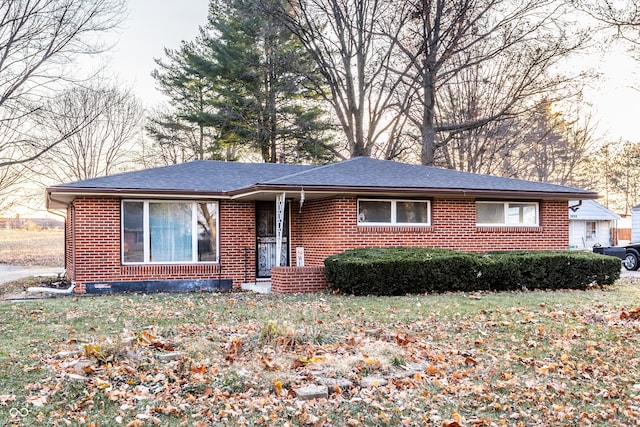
(262, 82)
(245, 84)
(190, 93)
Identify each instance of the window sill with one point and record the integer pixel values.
(168, 269)
(509, 229)
(395, 229)
(167, 264)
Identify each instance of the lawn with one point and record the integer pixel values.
(535, 358)
(32, 247)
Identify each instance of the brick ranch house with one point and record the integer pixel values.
(216, 225)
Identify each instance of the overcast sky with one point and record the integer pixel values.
(149, 28)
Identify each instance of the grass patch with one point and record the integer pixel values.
(32, 247)
(536, 358)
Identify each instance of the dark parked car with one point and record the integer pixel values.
(630, 254)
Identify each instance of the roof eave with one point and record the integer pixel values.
(458, 192)
(60, 197)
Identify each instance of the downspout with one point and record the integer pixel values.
(64, 221)
(70, 289)
(73, 231)
(67, 291)
(575, 207)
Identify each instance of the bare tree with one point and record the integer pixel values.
(557, 144)
(614, 170)
(345, 38)
(38, 41)
(99, 148)
(174, 140)
(622, 15)
(441, 39)
(10, 178)
(472, 94)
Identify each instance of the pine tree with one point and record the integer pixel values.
(245, 84)
(190, 93)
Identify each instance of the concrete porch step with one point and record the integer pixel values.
(261, 287)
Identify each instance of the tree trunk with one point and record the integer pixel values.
(428, 151)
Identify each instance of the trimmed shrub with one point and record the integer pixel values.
(399, 271)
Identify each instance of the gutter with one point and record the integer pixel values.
(131, 191)
(270, 188)
(128, 192)
(464, 192)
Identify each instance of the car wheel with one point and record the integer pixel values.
(630, 261)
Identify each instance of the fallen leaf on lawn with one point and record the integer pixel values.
(200, 368)
(146, 338)
(470, 361)
(298, 363)
(431, 370)
(268, 364)
(101, 384)
(162, 345)
(353, 341)
(633, 314)
(93, 350)
(404, 339)
(277, 385)
(37, 400)
(7, 398)
(233, 348)
(167, 410)
(88, 369)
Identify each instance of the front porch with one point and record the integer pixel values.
(290, 280)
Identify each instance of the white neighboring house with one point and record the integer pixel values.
(635, 223)
(590, 223)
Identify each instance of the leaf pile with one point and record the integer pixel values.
(534, 359)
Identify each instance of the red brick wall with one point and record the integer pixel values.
(323, 227)
(328, 226)
(94, 232)
(96, 236)
(289, 280)
(238, 240)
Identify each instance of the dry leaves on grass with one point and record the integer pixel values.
(511, 366)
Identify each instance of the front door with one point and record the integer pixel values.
(266, 238)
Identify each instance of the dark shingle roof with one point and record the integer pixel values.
(360, 174)
(197, 176)
(367, 172)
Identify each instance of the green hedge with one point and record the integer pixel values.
(399, 271)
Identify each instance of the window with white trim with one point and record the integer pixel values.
(507, 214)
(397, 212)
(169, 231)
